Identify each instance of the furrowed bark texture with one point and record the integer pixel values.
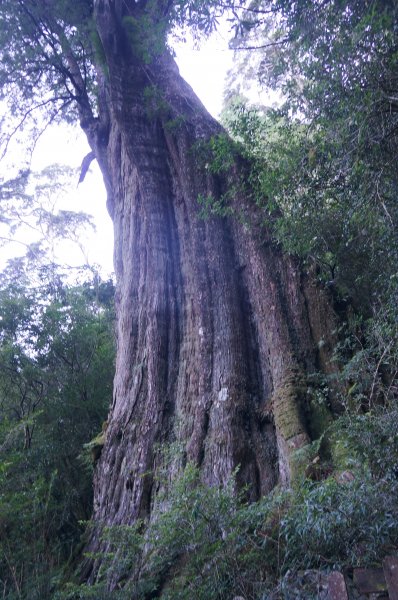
(217, 330)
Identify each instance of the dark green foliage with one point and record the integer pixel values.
(211, 207)
(322, 216)
(209, 544)
(155, 104)
(350, 518)
(322, 165)
(368, 354)
(203, 543)
(146, 34)
(339, 525)
(327, 153)
(202, 17)
(56, 370)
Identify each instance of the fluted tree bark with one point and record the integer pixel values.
(217, 330)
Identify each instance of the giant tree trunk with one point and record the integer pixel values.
(217, 330)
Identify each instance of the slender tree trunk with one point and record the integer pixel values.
(217, 330)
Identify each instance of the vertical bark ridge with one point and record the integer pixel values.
(214, 337)
(233, 431)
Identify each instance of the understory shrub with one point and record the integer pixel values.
(208, 543)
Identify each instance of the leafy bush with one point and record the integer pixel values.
(56, 369)
(208, 543)
(334, 524)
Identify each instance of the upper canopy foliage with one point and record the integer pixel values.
(49, 49)
(46, 63)
(328, 153)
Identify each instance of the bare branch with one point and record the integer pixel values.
(66, 100)
(86, 162)
(269, 45)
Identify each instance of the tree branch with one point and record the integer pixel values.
(66, 100)
(262, 47)
(86, 162)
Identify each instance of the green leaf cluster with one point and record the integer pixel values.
(208, 543)
(323, 168)
(56, 371)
